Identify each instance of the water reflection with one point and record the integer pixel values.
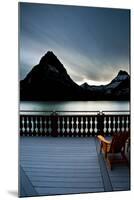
(75, 106)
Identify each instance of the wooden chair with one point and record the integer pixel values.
(114, 147)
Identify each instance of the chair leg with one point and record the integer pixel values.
(101, 147)
(124, 158)
(109, 163)
(105, 154)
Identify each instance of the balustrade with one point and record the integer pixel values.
(73, 124)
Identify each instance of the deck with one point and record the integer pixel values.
(67, 165)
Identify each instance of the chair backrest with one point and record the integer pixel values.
(118, 141)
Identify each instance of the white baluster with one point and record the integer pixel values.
(45, 128)
(86, 128)
(81, 124)
(122, 124)
(114, 124)
(91, 122)
(72, 122)
(105, 120)
(95, 122)
(118, 128)
(109, 125)
(127, 124)
(41, 125)
(67, 124)
(58, 125)
(32, 125)
(63, 122)
(27, 122)
(36, 128)
(77, 122)
(49, 125)
(23, 127)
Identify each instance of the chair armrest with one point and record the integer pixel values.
(102, 139)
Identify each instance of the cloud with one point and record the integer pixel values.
(92, 43)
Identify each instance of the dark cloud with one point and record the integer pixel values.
(92, 43)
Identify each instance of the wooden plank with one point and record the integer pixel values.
(61, 165)
(104, 172)
(120, 177)
(26, 187)
(73, 170)
(119, 183)
(62, 174)
(65, 178)
(66, 184)
(52, 191)
(57, 163)
(53, 160)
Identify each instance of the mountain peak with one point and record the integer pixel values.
(49, 80)
(84, 84)
(122, 75)
(49, 57)
(52, 61)
(121, 72)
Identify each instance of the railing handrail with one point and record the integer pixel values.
(74, 111)
(96, 112)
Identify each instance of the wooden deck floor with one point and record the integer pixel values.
(50, 166)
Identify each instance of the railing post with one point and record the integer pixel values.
(100, 124)
(54, 124)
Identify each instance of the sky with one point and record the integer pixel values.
(92, 43)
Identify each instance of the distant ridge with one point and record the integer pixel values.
(49, 80)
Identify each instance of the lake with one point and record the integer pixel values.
(75, 106)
